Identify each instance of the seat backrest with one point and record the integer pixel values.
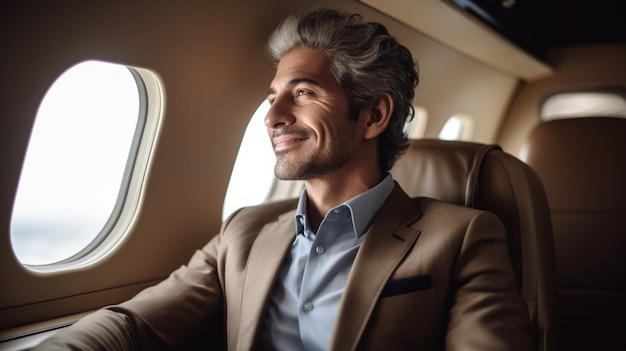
(484, 177)
(582, 164)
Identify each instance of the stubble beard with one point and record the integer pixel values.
(314, 164)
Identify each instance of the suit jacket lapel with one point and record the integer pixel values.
(264, 264)
(388, 240)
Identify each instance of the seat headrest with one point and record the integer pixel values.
(444, 170)
(572, 154)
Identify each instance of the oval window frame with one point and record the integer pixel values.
(127, 205)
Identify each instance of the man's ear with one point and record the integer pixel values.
(378, 115)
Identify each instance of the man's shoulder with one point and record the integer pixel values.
(274, 208)
(448, 214)
(433, 207)
(431, 204)
(259, 215)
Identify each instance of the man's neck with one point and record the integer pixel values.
(327, 192)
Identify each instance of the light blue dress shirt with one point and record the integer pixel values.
(304, 303)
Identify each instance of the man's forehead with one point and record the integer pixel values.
(303, 63)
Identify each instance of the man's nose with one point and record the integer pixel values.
(280, 114)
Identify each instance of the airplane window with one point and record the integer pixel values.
(83, 149)
(458, 127)
(416, 128)
(252, 178)
(583, 104)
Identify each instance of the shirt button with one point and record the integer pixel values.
(301, 220)
(320, 249)
(307, 307)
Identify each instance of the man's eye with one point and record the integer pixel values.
(302, 92)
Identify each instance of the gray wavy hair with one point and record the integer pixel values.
(366, 61)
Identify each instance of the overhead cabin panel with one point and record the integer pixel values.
(457, 29)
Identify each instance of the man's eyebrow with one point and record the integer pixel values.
(296, 81)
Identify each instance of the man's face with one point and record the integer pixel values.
(308, 122)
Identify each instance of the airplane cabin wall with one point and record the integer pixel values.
(209, 55)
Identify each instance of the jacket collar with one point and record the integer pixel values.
(388, 240)
(264, 262)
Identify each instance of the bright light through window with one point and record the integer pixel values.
(583, 104)
(451, 130)
(75, 162)
(458, 127)
(252, 178)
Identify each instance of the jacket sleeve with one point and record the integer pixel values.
(486, 311)
(165, 316)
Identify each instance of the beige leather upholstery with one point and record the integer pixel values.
(582, 163)
(484, 177)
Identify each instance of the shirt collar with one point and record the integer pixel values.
(362, 207)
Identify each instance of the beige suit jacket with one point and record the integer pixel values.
(428, 276)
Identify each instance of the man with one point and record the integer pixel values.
(366, 267)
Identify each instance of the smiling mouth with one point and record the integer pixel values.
(285, 139)
(285, 142)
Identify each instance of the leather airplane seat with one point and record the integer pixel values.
(582, 164)
(484, 177)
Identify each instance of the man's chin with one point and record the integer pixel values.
(286, 172)
(284, 176)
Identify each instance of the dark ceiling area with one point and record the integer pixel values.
(537, 25)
